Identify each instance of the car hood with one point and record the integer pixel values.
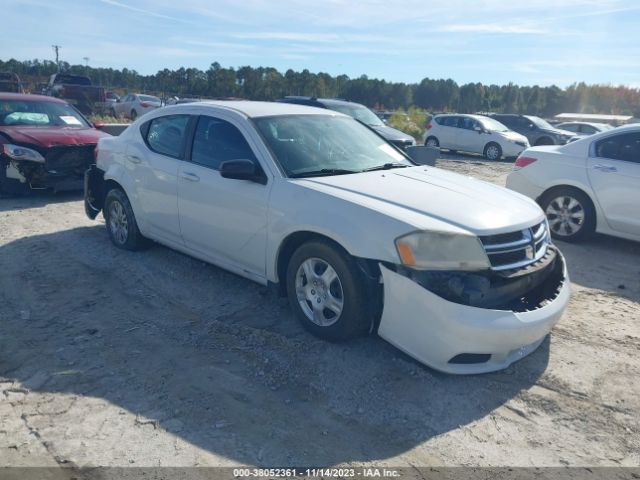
(473, 205)
(391, 133)
(511, 135)
(46, 137)
(557, 131)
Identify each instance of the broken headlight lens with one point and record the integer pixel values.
(16, 152)
(442, 251)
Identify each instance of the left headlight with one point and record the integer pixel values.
(16, 152)
(442, 251)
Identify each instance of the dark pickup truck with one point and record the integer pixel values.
(78, 91)
(10, 82)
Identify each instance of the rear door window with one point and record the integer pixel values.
(216, 141)
(166, 135)
(625, 147)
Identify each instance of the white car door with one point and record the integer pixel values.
(223, 219)
(470, 137)
(448, 131)
(122, 106)
(154, 161)
(614, 173)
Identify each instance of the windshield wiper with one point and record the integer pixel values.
(323, 173)
(386, 166)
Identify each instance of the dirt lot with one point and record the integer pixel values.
(116, 358)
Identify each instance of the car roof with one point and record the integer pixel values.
(593, 124)
(470, 115)
(323, 101)
(29, 97)
(258, 109)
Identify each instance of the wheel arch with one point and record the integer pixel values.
(295, 239)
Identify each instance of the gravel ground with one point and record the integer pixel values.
(151, 359)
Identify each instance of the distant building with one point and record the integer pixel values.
(595, 118)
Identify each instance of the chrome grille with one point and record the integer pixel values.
(516, 249)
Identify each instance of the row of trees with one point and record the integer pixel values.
(265, 83)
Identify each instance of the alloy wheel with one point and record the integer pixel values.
(566, 216)
(118, 222)
(319, 292)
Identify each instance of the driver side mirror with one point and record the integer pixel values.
(242, 170)
(479, 129)
(423, 155)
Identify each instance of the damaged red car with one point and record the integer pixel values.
(45, 143)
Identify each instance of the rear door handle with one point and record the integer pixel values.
(134, 159)
(192, 177)
(605, 168)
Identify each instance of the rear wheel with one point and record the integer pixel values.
(133, 114)
(121, 222)
(570, 213)
(493, 151)
(112, 112)
(327, 292)
(432, 142)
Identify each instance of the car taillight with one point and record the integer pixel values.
(429, 126)
(522, 162)
(144, 104)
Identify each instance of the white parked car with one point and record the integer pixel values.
(133, 105)
(592, 184)
(474, 134)
(584, 128)
(458, 273)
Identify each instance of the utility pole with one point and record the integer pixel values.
(56, 48)
(86, 64)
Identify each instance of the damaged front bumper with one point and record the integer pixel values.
(463, 336)
(60, 168)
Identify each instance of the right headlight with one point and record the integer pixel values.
(442, 251)
(16, 152)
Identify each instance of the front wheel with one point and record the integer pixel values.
(327, 292)
(121, 222)
(432, 142)
(570, 213)
(133, 115)
(493, 152)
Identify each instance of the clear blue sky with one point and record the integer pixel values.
(491, 41)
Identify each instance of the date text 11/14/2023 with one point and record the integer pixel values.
(367, 472)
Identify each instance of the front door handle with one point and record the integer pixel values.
(605, 168)
(134, 159)
(192, 177)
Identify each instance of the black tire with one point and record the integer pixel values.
(493, 151)
(133, 115)
(355, 317)
(544, 141)
(432, 142)
(561, 198)
(115, 202)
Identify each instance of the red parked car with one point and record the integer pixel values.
(44, 143)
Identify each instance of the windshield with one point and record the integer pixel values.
(24, 112)
(359, 113)
(540, 123)
(305, 144)
(493, 125)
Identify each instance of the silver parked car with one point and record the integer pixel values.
(133, 105)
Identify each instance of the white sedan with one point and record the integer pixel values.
(459, 274)
(589, 185)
